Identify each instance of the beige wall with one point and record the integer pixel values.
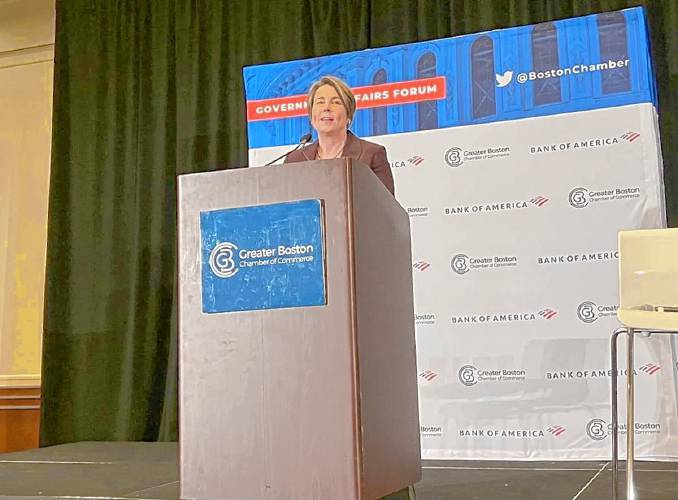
(26, 67)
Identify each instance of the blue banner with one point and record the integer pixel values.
(577, 64)
(263, 257)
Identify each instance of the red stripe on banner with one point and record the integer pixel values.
(370, 96)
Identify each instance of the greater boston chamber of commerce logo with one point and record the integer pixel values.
(598, 429)
(272, 264)
(462, 263)
(505, 79)
(453, 157)
(588, 311)
(226, 258)
(468, 375)
(580, 197)
(456, 156)
(222, 260)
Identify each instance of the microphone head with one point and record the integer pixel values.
(305, 138)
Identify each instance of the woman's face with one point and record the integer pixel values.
(328, 114)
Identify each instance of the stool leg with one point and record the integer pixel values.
(630, 427)
(615, 412)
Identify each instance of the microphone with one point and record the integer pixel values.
(306, 138)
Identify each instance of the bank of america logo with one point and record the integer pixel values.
(428, 375)
(630, 136)
(548, 313)
(422, 265)
(540, 201)
(650, 368)
(556, 430)
(415, 160)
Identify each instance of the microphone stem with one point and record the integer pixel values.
(304, 140)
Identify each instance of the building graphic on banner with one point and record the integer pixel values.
(549, 68)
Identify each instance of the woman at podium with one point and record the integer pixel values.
(331, 106)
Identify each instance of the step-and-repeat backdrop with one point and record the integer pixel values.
(518, 154)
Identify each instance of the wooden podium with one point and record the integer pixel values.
(295, 403)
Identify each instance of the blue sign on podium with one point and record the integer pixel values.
(263, 257)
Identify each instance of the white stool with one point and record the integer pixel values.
(648, 303)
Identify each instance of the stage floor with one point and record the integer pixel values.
(150, 470)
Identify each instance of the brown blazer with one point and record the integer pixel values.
(371, 154)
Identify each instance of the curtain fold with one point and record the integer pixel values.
(144, 91)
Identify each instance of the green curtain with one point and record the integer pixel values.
(145, 90)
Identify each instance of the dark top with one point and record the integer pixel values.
(371, 154)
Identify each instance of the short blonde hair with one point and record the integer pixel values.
(345, 95)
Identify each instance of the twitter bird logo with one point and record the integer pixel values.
(505, 79)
